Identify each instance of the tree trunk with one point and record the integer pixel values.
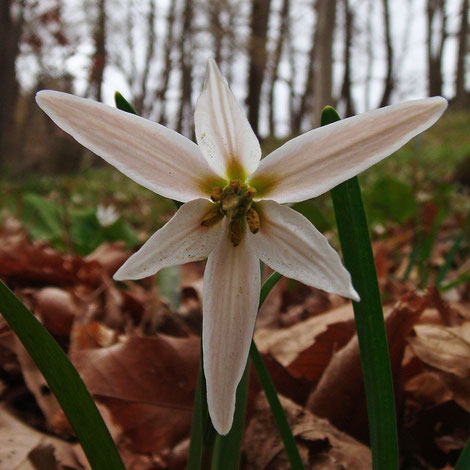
(98, 65)
(149, 55)
(283, 31)
(323, 62)
(216, 29)
(389, 79)
(346, 87)
(435, 44)
(258, 59)
(461, 97)
(10, 35)
(306, 100)
(161, 93)
(183, 125)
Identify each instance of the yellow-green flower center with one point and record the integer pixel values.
(235, 201)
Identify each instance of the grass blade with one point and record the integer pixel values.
(359, 260)
(64, 382)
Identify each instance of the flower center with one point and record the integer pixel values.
(234, 201)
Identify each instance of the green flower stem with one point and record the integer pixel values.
(276, 408)
(64, 382)
(227, 448)
(202, 432)
(359, 260)
(269, 389)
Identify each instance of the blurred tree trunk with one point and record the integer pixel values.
(258, 58)
(139, 101)
(323, 61)
(306, 100)
(167, 67)
(346, 87)
(184, 122)
(370, 55)
(10, 35)
(389, 79)
(283, 32)
(461, 96)
(216, 29)
(436, 19)
(95, 81)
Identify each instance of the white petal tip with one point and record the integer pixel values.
(120, 276)
(43, 96)
(353, 295)
(221, 420)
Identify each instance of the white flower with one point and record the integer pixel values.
(232, 213)
(106, 215)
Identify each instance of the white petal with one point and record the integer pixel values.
(230, 303)
(319, 160)
(180, 241)
(223, 131)
(288, 243)
(152, 155)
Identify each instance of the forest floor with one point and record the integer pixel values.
(136, 344)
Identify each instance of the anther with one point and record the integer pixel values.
(250, 193)
(212, 217)
(217, 193)
(236, 231)
(252, 218)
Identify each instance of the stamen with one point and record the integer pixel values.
(236, 231)
(212, 217)
(217, 193)
(252, 218)
(234, 201)
(250, 193)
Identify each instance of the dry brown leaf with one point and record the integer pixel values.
(37, 385)
(57, 309)
(445, 348)
(447, 351)
(147, 383)
(110, 256)
(286, 344)
(311, 362)
(339, 396)
(321, 445)
(21, 445)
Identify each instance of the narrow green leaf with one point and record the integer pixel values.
(64, 382)
(464, 460)
(359, 260)
(227, 448)
(123, 104)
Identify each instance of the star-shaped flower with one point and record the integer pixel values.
(232, 213)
